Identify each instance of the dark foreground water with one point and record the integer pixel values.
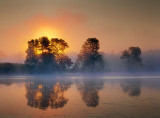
(80, 96)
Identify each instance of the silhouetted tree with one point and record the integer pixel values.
(46, 55)
(58, 45)
(44, 41)
(47, 61)
(89, 59)
(32, 58)
(132, 58)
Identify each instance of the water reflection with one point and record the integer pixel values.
(37, 96)
(6, 82)
(89, 91)
(47, 93)
(131, 87)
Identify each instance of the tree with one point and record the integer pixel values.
(132, 58)
(89, 59)
(64, 62)
(47, 61)
(58, 45)
(47, 55)
(44, 41)
(32, 58)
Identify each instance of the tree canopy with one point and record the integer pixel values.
(132, 58)
(89, 58)
(47, 55)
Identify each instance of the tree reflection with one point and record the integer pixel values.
(89, 91)
(132, 87)
(46, 93)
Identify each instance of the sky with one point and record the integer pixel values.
(117, 24)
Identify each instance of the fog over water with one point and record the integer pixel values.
(77, 95)
(79, 59)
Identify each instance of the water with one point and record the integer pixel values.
(80, 96)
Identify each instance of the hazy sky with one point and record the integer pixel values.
(118, 24)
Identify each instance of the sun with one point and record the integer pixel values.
(46, 31)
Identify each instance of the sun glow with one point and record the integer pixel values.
(38, 52)
(48, 32)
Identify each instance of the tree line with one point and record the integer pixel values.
(46, 55)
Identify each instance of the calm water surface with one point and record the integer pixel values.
(80, 96)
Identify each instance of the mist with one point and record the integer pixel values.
(113, 63)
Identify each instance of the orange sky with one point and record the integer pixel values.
(117, 24)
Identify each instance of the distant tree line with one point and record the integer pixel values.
(10, 68)
(46, 55)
